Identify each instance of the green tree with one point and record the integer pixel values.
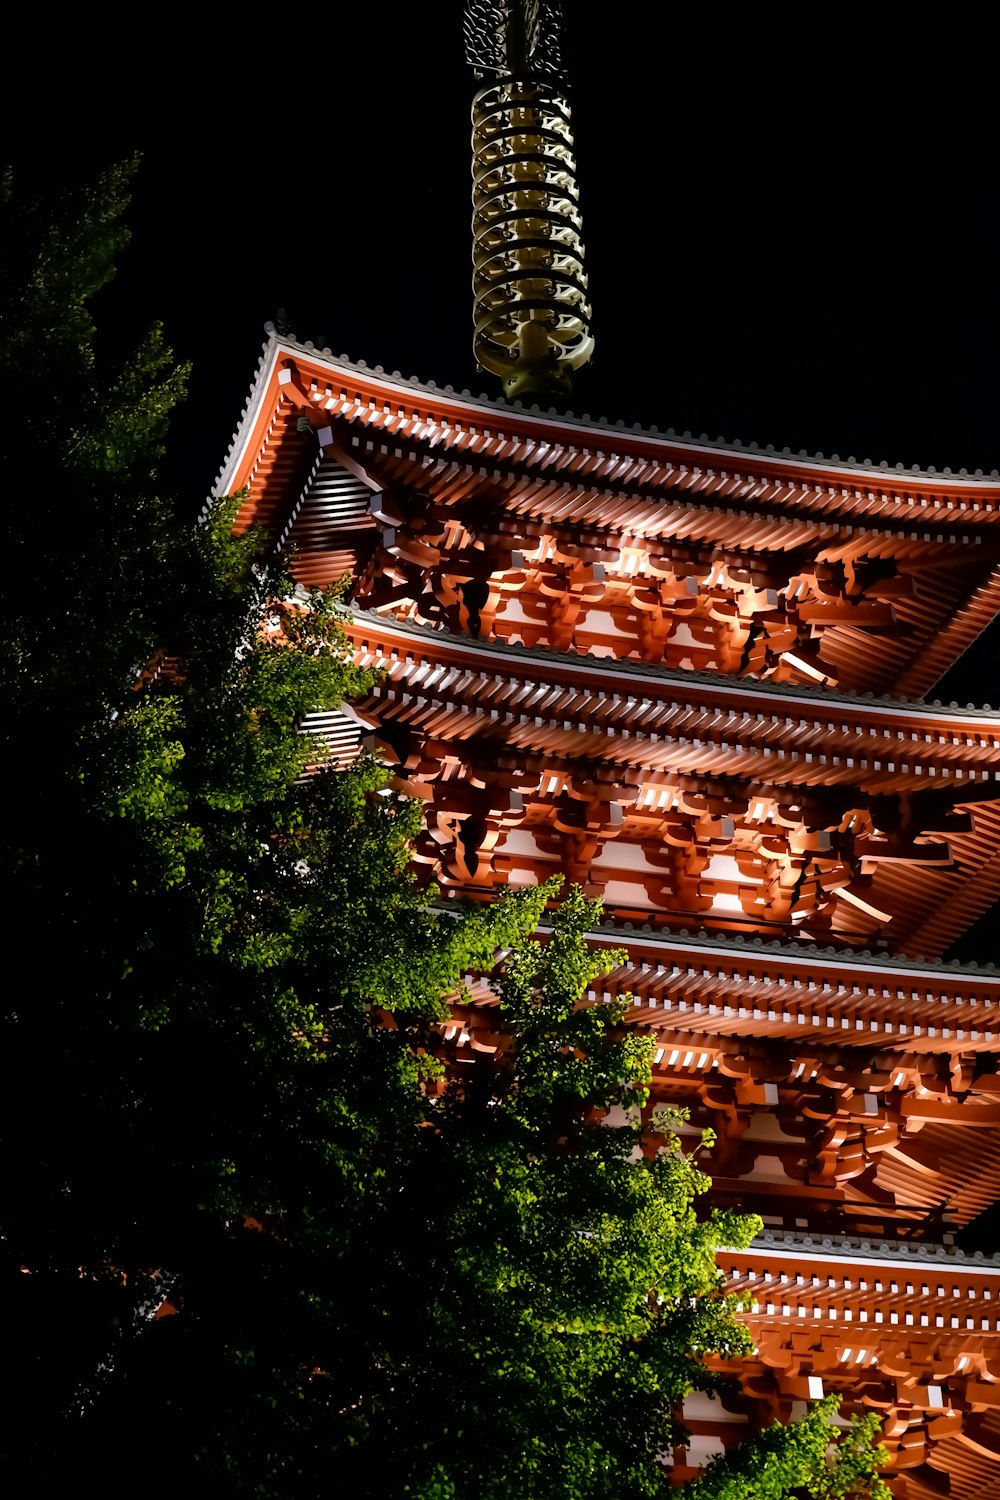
(253, 1240)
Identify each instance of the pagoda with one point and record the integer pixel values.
(692, 677)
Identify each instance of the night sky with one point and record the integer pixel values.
(793, 236)
(792, 233)
(791, 221)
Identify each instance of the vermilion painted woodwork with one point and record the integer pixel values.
(689, 677)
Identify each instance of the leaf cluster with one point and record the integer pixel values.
(243, 1229)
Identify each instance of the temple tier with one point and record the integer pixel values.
(690, 678)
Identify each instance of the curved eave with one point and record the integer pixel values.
(701, 991)
(354, 388)
(660, 725)
(844, 1254)
(949, 740)
(639, 488)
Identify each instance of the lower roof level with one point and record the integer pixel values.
(745, 809)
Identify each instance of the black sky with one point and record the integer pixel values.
(792, 224)
(791, 220)
(792, 227)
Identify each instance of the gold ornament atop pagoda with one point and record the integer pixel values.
(531, 309)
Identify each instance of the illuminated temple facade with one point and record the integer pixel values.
(693, 678)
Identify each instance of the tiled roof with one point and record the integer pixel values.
(818, 698)
(862, 468)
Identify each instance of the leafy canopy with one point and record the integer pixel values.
(256, 1239)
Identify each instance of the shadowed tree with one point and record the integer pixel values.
(253, 1240)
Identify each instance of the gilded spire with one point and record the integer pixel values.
(531, 311)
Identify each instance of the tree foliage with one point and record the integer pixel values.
(254, 1240)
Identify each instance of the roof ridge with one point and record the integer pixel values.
(861, 468)
(793, 948)
(788, 948)
(818, 694)
(877, 1246)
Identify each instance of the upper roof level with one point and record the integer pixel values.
(551, 530)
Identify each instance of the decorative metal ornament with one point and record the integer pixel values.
(531, 309)
(515, 38)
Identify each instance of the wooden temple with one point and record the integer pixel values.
(692, 677)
